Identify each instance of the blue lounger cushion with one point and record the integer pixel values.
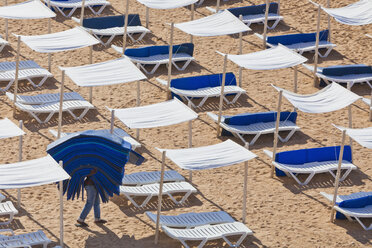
(290, 39)
(302, 156)
(254, 9)
(341, 70)
(111, 21)
(354, 203)
(156, 50)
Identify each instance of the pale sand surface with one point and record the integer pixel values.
(280, 212)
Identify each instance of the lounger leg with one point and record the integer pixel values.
(182, 201)
(42, 81)
(189, 101)
(362, 224)
(183, 67)
(202, 101)
(311, 175)
(8, 85)
(60, 10)
(100, 10)
(367, 82)
(347, 172)
(80, 116)
(11, 216)
(2, 47)
(274, 25)
(326, 53)
(71, 12)
(138, 39)
(144, 203)
(244, 235)
(288, 136)
(39, 120)
(236, 97)
(109, 40)
(254, 139)
(200, 2)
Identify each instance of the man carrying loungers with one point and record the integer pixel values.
(92, 201)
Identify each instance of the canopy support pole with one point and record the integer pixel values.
(190, 145)
(218, 6)
(6, 30)
(295, 80)
(20, 146)
(125, 26)
(221, 97)
(278, 7)
(329, 22)
(49, 54)
(16, 74)
(61, 209)
(170, 61)
(82, 13)
(240, 52)
(265, 24)
(91, 62)
(112, 121)
(160, 197)
(316, 81)
(245, 187)
(147, 17)
(192, 18)
(350, 114)
(276, 134)
(61, 105)
(370, 109)
(138, 102)
(338, 174)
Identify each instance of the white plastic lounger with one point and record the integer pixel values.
(341, 198)
(7, 208)
(116, 31)
(3, 43)
(28, 70)
(142, 178)
(117, 131)
(45, 98)
(2, 197)
(357, 213)
(24, 240)
(157, 60)
(52, 108)
(307, 46)
(351, 78)
(151, 190)
(208, 232)
(190, 220)
(72, 5)
(257, 129)
(205, 93)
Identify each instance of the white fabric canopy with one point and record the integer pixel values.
(223, 23)
(156, 115)
(62, 41)
(363, 135)
(166, 4)
(31, 173)
(278, 57)
(209, 157)
(33, 9)
(331, 98)
(116, 71)
(359, 13)
(8, 129)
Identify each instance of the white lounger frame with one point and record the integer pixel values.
(151, 190)
(205, 93)
(210, 232)
(257, 129)
(24, 240)
(45, 98)
(306, 46)
(340, 198)
(158, 60)
(146, 177)
(3, 43)
(28, 70)
(7, 208)
(2, 197)
(75, 4)
(116, 31)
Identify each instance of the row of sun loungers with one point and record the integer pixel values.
(73, 5)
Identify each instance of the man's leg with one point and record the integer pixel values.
(97, 210)
(91, 192)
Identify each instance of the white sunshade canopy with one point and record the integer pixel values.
(156, 115)
(33, 9)
(31, 173)
(8, 129)
(361, 135)
(278, 57)
(331, 98)
(166, 4)
(209, 157)
(111, 72)
(359, 13)
(62, 41)
(223, 23)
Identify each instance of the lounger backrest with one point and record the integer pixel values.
(254, 10)
(251, 118)
(330, 153)
(341, 70)
(156, 50)
(199, 82)
(111, 21)
(290, 39)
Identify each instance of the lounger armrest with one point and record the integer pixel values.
(162, 81)
(268, 153)
(75, 19)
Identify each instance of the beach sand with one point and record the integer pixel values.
(280, 212)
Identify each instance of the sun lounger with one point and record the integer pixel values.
(45, 98)
(112, 26)
(257, 124)
(151, 190)
(200, 2)
(28, 70)
(117, 131)
(210, 232)
(2, 197)
(312, 161)
(145, 177)
(3, 43)
(158, 55)
(344, 74)
(301, 42)
(72, 5)
(24, 240)
(341, 198)
(204, 87)
(7, 208)
(190, 220)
